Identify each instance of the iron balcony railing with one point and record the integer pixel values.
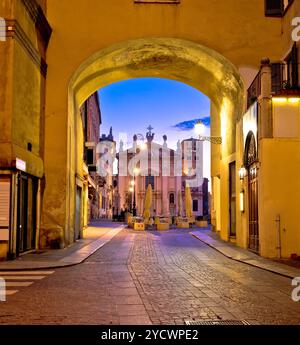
(285, 77)
(285, 80)
(254, 90)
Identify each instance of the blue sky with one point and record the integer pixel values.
(170, 107)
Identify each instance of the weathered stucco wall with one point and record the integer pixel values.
(276, 155)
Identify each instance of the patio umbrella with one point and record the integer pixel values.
(188, 202)
(179, 204)
(148, 202)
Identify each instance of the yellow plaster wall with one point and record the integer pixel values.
(88, 28)
(21, 89)
(279, 195)
(6, 96)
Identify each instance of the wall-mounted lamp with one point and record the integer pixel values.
(285, 100)
(242, 173)
(242, 201)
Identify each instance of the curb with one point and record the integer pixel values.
(58, 266)
(244, 262)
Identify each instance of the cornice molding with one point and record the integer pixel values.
(41, 23)
(15, 31)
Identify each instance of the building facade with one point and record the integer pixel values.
(109, 200)
(22, 119)
(268, 148)
(91, 183)
(165, 169)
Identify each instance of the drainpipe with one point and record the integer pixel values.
(278, 226)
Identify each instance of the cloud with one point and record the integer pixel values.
(189, 125)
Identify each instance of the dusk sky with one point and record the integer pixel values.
(170, 107)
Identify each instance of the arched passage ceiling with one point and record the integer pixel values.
(171, 58)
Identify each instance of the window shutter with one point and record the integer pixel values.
(4, 210)
(274, 8)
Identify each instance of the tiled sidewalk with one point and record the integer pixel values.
(95, 237)
(242, 255)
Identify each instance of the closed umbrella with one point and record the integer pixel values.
(148, 202)
(188, 202)
(179, 204)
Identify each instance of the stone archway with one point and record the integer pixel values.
(171, 58)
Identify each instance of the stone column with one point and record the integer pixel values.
(165, 197)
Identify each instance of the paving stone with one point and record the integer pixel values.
(140, 278)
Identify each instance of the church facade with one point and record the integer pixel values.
(163, 168)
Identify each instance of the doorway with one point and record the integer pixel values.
(26, 219)
(252, 167)
(232, 198)
(78, 214)
(253, 209)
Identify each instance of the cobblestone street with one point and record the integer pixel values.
(154, 278)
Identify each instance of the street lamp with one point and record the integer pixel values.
(242, 173)
(136, 171)
(131, 190)
(200, 131)
(143, 146)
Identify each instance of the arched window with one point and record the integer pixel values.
(172, 199)
(250, 155)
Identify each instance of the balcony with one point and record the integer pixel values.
(285, 79)
(254, 90)
(284, 82)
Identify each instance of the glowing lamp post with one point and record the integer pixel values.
(242, 173)
(133, 184)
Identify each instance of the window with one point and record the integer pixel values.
(90, 156)
(292, 68)
(150, 180)
(274, 8)
(285, 74)
(172, 199)
(277, 76)
(195, 205)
